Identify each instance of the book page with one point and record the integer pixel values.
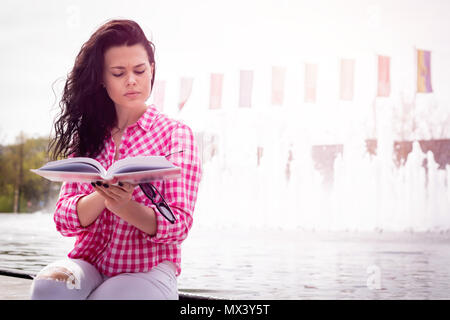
(149, 176)
(79, 164)
(140, 163)
(67, 176)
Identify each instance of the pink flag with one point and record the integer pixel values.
(310, 82)
(185, 91)
(278, 76)
(424, 71)
(384, 82)
(347, 79)
(245, 89)
(199, 137)
(215, 93)
(158, 93)
(259, 155)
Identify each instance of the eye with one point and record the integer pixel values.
(140, 72)
(117, 75)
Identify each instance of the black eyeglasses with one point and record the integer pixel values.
(163, 208)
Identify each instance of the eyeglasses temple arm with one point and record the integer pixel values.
(173, 153)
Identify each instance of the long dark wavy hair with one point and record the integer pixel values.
(87, 112)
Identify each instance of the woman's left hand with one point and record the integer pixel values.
(116, 196)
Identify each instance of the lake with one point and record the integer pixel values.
(265, 263)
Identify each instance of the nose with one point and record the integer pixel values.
(131, 80)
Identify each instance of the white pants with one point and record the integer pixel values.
(78, 280)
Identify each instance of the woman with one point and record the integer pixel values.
(125, 248)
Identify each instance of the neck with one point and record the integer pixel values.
(126, 116)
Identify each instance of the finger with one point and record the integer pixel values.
(116, 191)
(129, 186)
(126, 186)
(104, 193)
(110, 181)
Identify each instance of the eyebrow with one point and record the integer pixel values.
(120, 67)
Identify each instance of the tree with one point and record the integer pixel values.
(21, 190)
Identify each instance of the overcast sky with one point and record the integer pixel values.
(40, 39)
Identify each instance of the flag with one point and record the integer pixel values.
(245, 88)
(259, 155)
(424, 71)
(199, 139)
(278, 75)
(158, 93)
(384, 81)
(310, 82)
(215, 93)
(185, 91)
(347, 78)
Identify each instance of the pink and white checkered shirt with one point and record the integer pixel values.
(111, 244)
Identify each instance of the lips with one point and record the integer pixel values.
(132, 94)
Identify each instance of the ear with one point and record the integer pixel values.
(152, 67)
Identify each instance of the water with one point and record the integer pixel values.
(365, 193)
(269, 263)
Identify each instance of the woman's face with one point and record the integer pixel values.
(127, 75)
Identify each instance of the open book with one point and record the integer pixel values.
(134, 170)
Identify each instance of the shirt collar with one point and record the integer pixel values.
(148, 118)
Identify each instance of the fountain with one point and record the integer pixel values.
(367, 192)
